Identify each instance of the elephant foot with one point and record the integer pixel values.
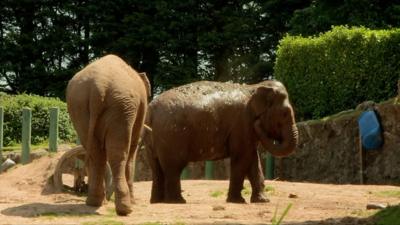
(178, 200)
(237, 199)
(156, 200)
(95, 201)
(259, 198)
(122, 209)
(156, 197)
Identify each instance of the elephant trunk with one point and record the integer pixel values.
(286, 147)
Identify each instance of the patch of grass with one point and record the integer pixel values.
(178, 223)
(388, 194)
(217, 193)
(159, 223)
(388, 216)
(17, 147)
(275, 220)
(111, 211)
(362, 213)
(269, 189)
(104, 222)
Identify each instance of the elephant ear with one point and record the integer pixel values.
(265, 97)
(261, 100)
(146, 83)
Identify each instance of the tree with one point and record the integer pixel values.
(321, 15)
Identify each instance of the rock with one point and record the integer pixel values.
(293, 195)
(218, 208)
(367, 105)
(376, 206)
(7, 164)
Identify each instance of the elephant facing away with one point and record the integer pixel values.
(107, 103)
(211, 121)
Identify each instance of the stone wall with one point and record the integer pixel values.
(328, 152)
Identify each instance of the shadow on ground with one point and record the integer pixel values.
(42, 209)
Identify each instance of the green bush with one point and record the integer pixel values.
(338, 69)
(13, 105)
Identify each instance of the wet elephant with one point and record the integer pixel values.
(211, 121)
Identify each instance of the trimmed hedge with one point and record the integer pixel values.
(13, 105)
(338, 69)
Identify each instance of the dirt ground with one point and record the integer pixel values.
(26, 198)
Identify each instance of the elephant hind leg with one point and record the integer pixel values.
(173, 191)
(117, 143)
(96, 161)
(157, 188)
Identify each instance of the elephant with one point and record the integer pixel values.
(107, 102)
(208, 120)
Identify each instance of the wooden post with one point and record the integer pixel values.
(53, 129)
(26, 135)
(209, 170)
(361, 156)
(1, 135)
(269, 166)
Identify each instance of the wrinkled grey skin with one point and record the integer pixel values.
(211, 121)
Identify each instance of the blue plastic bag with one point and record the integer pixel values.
(370, 130)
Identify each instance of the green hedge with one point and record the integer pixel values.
(338, 69)
(13, 105)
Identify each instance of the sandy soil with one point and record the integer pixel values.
(26, 198)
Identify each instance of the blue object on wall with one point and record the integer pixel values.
(370, 130)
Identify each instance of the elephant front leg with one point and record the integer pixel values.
(256, 179)
(238, 167)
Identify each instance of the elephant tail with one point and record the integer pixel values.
(95, 103)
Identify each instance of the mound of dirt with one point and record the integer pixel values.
(30, 180)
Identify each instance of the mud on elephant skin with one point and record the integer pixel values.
(210, 121)
(107, 103)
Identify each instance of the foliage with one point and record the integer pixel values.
(388, 216)
(13, 105)
(321, 15)
(217, 193)
(388, 194)
(43, 43)
(338, 69)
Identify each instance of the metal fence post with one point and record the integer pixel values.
(185, 173)
(53, 129)
(269, 167)
(209, 170)
(26, 135)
